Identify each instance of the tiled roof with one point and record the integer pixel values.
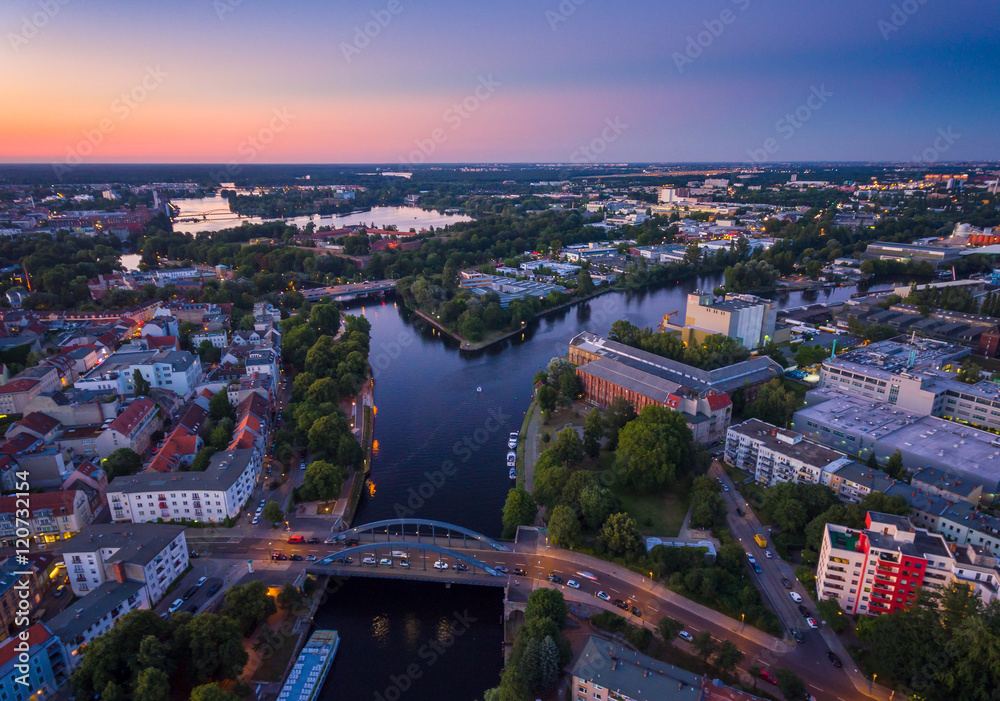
(18, 386)
(60, 503)
(38, 634)
(38, 422)
(132, 417)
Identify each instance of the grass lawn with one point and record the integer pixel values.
(796, 388)
(656, 514)
(272, 668)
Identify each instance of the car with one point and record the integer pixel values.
(767, 554)
(603, 596)
(461, 567)
(296, 558)
(725, 487)
(214, 588)
(313, 540)
(193, 555)
(785, 583)
(368, 560)
(740, 512)
(719, 480)
(768, 677)
(278, 556)
(296, 539)
(262, 502)
(303, 465)
(812, 623)
(346, 560)
(796, 597)
(176, 606)
(620, 604)
(756, 568)
(404, 563)
(189, 593)
(331, 540)
(440, 565)
(751, 558)
(804, 611)
(385, 562)
(255, 521)
(573, 584)
(201, 581)
(520, 572)
(684, 635)
(310, 558)
(501, 569)
(636, 612)
(834, 660)
(555, 579)
(797, 635)
(350, 542)
(60, 590)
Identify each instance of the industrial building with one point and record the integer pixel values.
(886, 250)
(747, 318)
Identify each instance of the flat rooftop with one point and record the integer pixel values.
(788, 443)
(225, 468)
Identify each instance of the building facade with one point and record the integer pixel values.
(48, 666)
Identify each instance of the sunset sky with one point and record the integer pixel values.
(302, 81)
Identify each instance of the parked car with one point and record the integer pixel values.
(725, 487)
(767, 554)
(296, 558)
(684, 635)
(310, 558)
(214, 588)
(620, 604)
(255, 521)
(404, 563)
(278, 556)
(796, 597)
(520, 572)
(603, 596)
(797, 635)
(804, 611)
(440, 565)
(176, 606)
(201, 581)
(60, 590)
(331, 540)
(812, 623)
(768, 677)
(346, 560)
(573, 584)
(832, 656)
(555, 579)
(740, 512)
(313, 540)
(756, 568)
(785, 583)
(194, 555)
(636, 612)
(190, 592)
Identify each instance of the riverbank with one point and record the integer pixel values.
(491, 339)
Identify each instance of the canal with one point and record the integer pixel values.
(441, 455)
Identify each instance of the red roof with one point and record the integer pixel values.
(18, 386)
(245, 439)
(87, 468)
(673, 401)
(719, 401)
(60, 503)
(161, 342)
(21, 443)
(133, 416)
(38, 422)
(38, 634)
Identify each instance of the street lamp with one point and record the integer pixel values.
(870, 686)
(743, 621)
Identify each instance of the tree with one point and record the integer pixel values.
(830, 611)
(894, 466)
(593, 432)
(728, 656)
(547, 397)
(153, 653)
(546, 603)
(212, 692)
(970, 372)
(773, 404)
(568, 447)
(596, 504)
(621, 535)
(323, 481)
(325, 319)
(669, 628)
(289, 598)
(249, 605)
(584, 283)
(518, 510)
(272, 513)
(653, 449)
(152, 684)
(215, 644)
(473, 328)
(789, 683)
(121, 463)
(704, 644)
(619, 413)
(564, 526)
(219, 406)
(140, 384)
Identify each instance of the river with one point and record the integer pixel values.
(212, 214)
(441, 455)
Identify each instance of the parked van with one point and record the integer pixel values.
(297, 539)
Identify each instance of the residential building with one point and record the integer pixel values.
(36, 424)
(177, 371)
(747, 318)
(15, 395)
(96, 614)
(133, 428)
(18, 584)
(214, 495)
(948, 485)
(153, 554)
(54, 516)
(772, 455)
(47, 665)
(881, 568)
(219, 338)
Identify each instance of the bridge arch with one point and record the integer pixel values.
(385, 549)
(389, 526)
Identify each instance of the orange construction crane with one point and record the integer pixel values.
(666, 320)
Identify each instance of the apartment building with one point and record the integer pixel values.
(48, 666)
(133, 428)
(605, 671)
(54, 516)
(177, 371)
(16, 394)
(211, 496)
(96, 614)
(774, 455)
(881, 568)
(152, 554)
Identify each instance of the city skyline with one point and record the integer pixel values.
(390, 82)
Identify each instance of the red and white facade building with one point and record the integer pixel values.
(880, 569)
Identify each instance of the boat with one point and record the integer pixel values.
(512, 440)
(479, 389)
(511, 459)
(513, 473)
(306, 679)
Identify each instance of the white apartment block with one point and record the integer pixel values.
(95, 614)
(219, 338)
(177, 371)
(54, 516)
(211, 496)
(774, 455)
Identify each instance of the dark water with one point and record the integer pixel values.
(442, 455)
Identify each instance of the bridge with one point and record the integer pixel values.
(346, 293)
(399, 526)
